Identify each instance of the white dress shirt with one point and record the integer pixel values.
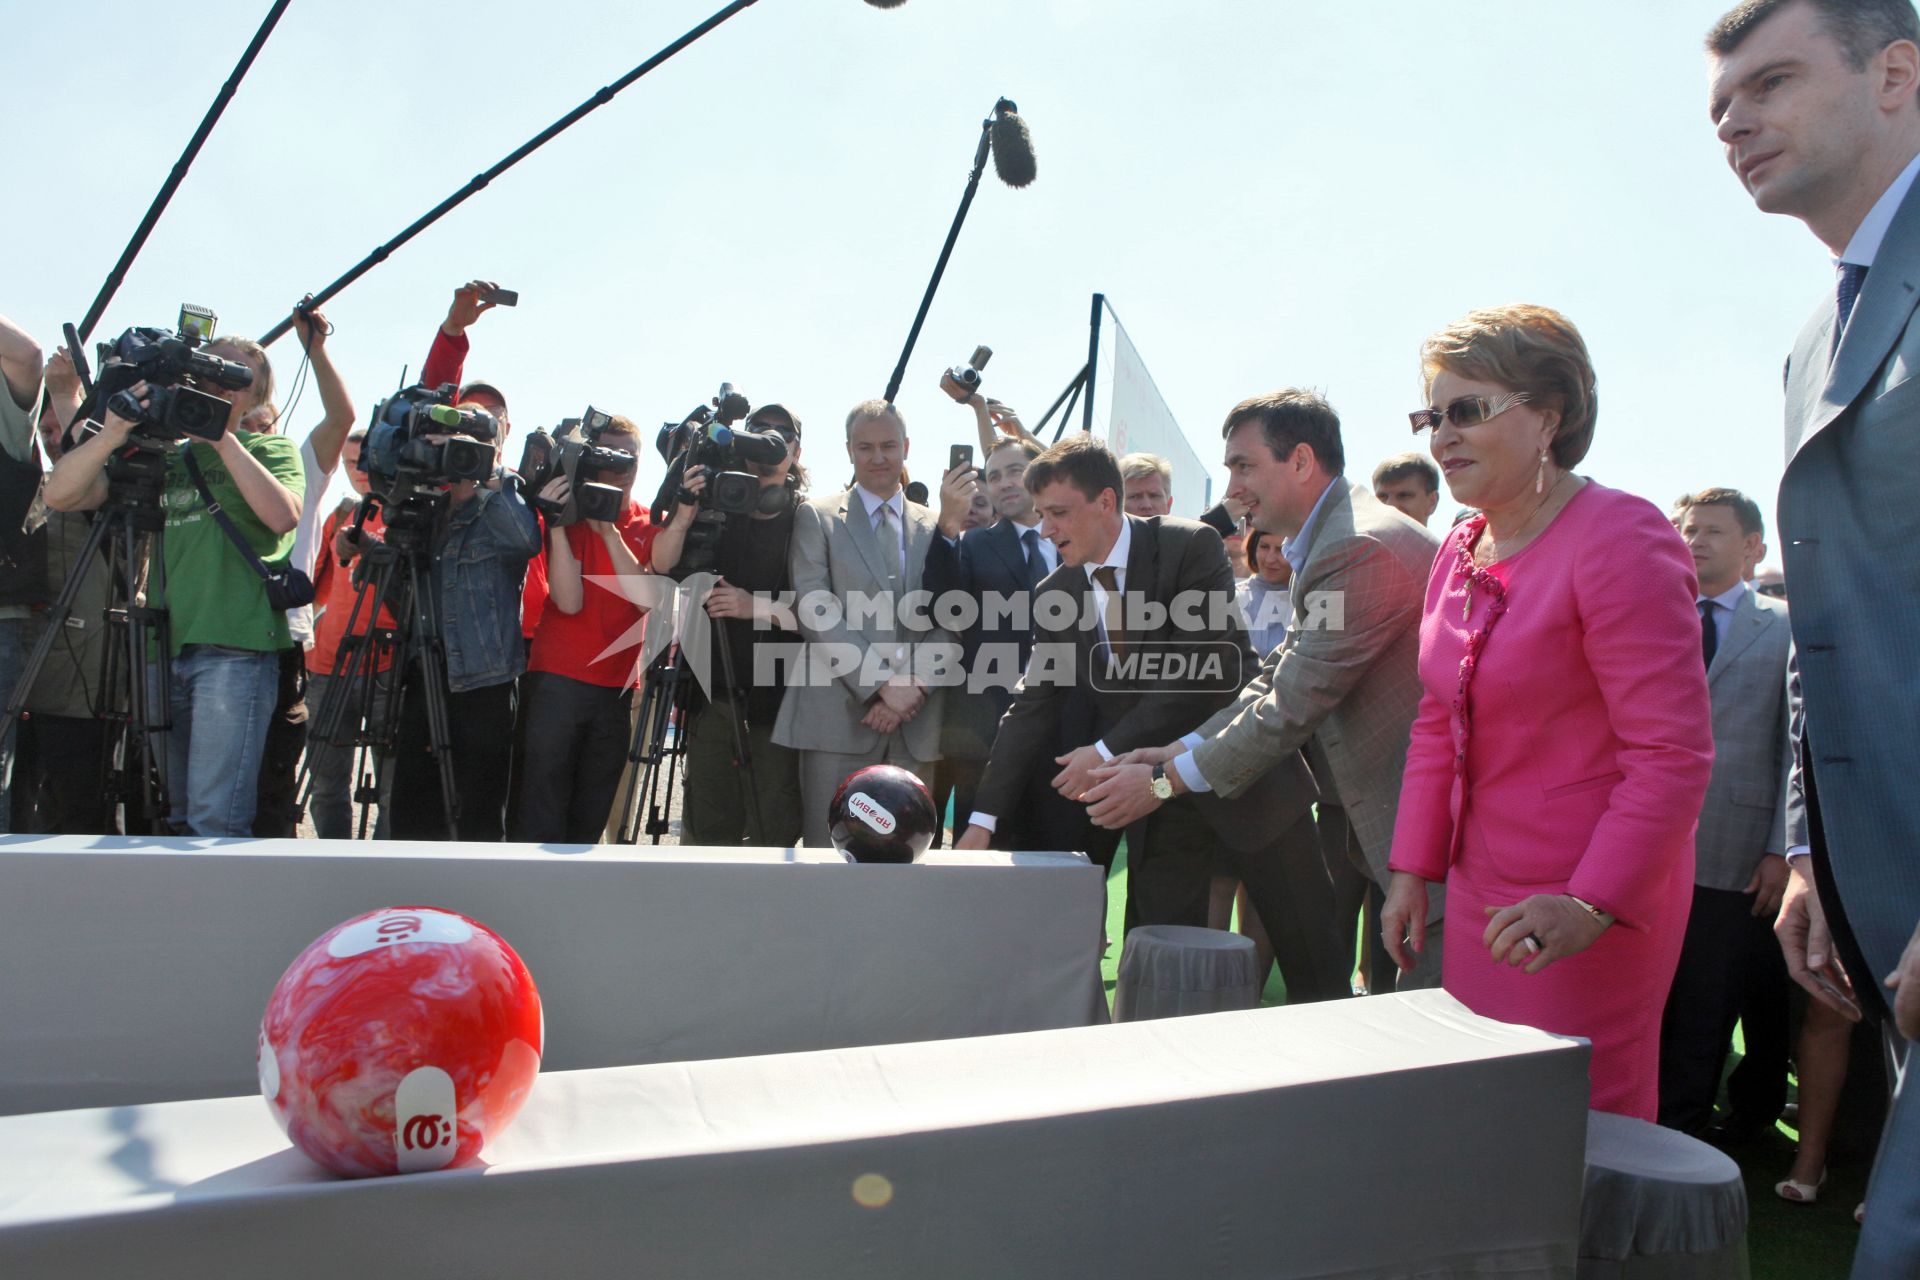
(1049, 554)
(1864, 247)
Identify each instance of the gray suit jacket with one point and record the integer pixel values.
(1347, 673)
(1744, 816)
(835, 552)
(1850, 526)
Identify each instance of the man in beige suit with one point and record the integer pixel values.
(1344, 685)
(858, 699)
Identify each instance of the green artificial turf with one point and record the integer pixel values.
(1784, 1241)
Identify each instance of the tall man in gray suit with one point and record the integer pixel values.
(1740, 868)
(1817, 103)
(1344, 686)
(855, 558)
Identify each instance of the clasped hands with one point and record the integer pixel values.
(898, 701)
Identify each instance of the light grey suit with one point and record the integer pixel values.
(1851, 527)
(1744, 816)
(1346, 678)
(835, 552)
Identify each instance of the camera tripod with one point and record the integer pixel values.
(394, 578)
(136, 675)
(664, 702)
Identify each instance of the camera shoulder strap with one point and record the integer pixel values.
(220, 516)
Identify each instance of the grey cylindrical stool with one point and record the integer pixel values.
(1167, 970)
(1659, 1205)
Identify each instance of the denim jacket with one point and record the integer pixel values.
(480, 567)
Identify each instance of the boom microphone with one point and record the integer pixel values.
(886, 4)
(1012, 144)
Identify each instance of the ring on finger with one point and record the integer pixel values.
(1534, 945)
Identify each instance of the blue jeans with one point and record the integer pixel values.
(16, 642)
(221, 702)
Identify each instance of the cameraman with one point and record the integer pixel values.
(580, 675)
(751, 561)
(226, 637)
(23, 559)
(482, 541)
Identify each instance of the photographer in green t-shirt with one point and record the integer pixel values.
(226, 636)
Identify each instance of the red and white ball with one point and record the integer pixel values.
(400, 1041)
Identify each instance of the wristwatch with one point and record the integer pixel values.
(1161, 785)
(1603, 917)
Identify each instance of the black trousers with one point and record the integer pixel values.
(1729, 958)
(1354, 890)
(56, 777)
(1170, 864)
(480, 728)
(574, 749)
(277, 806)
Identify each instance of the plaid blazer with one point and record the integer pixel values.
(1346, 679)
(1744, 815)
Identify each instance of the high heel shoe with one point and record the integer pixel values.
(1800, 1192)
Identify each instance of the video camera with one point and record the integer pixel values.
(398, 447)
(707, 438)
(174, 369)
(968, 374)
(594, 471)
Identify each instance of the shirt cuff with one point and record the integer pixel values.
(1797, 851)
(985, 821)
(1101, 747)
(1183, 764)
(1191, 740)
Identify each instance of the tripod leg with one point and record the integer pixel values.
(737, 721)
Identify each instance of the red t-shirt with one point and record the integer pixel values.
(572, 644)
(334, 593)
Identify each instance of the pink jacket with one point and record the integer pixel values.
(1589, 740)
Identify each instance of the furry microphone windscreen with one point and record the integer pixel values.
(1012, 146)
(886, 4)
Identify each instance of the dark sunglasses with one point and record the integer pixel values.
(1468, 411)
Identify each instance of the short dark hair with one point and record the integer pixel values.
(1292, 417)
(1025, 444)
(1745, 509)
(1082, 461)
(1405, 466)
(1862, 28)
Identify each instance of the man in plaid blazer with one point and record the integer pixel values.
(1345, 685)
(1729, 964)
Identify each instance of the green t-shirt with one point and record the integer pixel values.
(213, 594)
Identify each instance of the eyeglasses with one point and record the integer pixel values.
(1468, 411)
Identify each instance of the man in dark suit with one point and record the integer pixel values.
(1141, 619)
(1729, 963)
(997, 568)
(1817, 103)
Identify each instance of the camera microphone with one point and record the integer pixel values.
(886, 4)
(1012, 145)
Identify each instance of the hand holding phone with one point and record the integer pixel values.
(961, 455)
(496, 296)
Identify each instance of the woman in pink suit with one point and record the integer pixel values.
(1564, 740)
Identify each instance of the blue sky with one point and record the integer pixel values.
(1271, 193)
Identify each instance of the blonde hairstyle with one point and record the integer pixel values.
(254, 356)
(1136, 466)
(867, 410)
(1523, 348)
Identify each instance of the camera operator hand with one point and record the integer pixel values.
(556, 491)
(346, 545)
(467, 307)
(1007, 419)
(724, 600)
(672, 538)
(957, 488)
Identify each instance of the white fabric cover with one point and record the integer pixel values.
(1400, 1136)
(136, 970)
(1659, 1203)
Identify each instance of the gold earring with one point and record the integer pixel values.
(1540, 476)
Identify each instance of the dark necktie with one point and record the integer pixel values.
(1852, 277)
(1036, 563)
(1108, 576)
(1709, 632)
